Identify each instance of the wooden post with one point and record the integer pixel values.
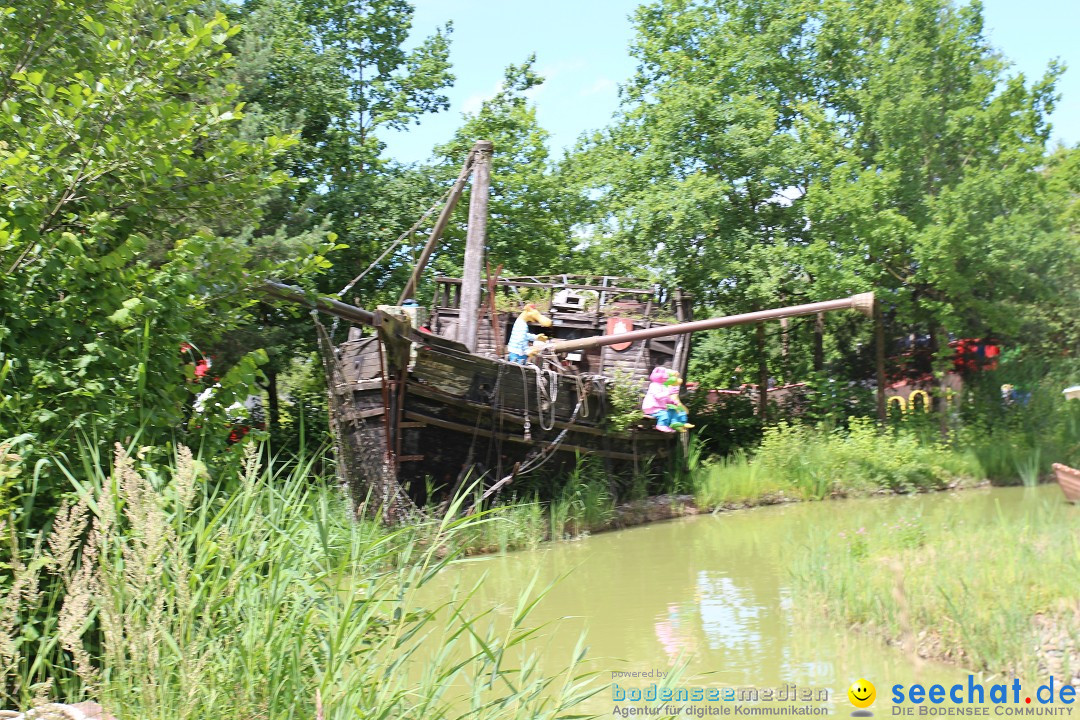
(785, 347)
(819, 342)
(939, 343)
(683, 313)
(943, 382)
(864, 303)
(474, 245)
(763, 374)
(879, 361)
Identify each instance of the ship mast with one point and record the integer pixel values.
(469, 314)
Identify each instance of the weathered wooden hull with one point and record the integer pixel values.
(1069, 480)
(449, 412)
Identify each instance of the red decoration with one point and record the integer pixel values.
(618, 326)
(973, 354)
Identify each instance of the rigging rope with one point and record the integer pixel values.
(546, 395)
(529, 464)
(402, 236)
(534, 460)
(551, 361)
(525, 394)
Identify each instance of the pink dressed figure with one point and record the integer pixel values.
(657, 399)
(662, 401)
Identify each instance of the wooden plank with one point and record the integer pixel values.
(434, 394)
(475, 233)
(467, 375)
(558, 286)
(359, 414)
(563, 447)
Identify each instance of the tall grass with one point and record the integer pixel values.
(514, 525)
(1017, 441)
(811, 464)
(732, 480)
(991, 595)
(160, 596)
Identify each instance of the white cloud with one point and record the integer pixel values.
(474, 102)
(602, 86)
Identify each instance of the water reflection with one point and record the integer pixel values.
(675, 631)
(715, 592)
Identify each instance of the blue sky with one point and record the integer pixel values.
(581, 48)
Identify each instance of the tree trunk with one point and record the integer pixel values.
(785, 347)
(940, 344)
(273, 417)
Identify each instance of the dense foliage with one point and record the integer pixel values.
(769, 152)
(124, 176)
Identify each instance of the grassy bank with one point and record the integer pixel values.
(998, 596)
(803, 463)
(159, 595)
(793, 462)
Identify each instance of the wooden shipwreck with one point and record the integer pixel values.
(423, 398)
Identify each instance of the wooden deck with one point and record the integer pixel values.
(432, 411)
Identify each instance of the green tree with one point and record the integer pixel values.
(531, 211)
(770, 152)
(701, 179)
(1050, 329)
(120, 162)
(930, 154)
(694, 171)
(335, 75)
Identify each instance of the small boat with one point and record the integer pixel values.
(1069, 480)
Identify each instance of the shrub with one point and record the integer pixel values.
(625, 394)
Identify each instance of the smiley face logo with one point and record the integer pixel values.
(862, 694)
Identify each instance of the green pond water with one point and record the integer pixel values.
(715, 591)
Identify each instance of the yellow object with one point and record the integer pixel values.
(675, 379)
(925, 402)
(899, 401)
(531, 315)
(862, 693)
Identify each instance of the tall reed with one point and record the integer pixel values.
(161, 596)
